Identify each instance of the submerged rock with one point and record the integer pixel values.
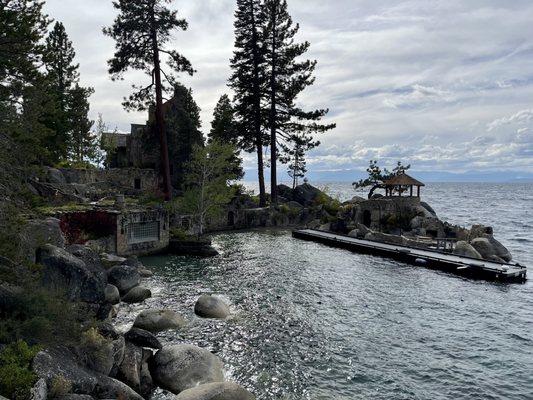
(180, 367)
(142, 338)
(216, 391)
(159, 320)
(209, 306)
(137, 295)
(124, 277)
(465, 249)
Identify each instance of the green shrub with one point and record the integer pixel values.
(16, 376)
(40, 316)
(180, 234)
(59, 387)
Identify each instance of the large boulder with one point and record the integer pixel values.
(55, 176)
(465, 249)
(159, 320)
(208, 306)
(129, 371)
(37, 233)
(57, 362)
(137, 295)
(489, 248)
(308, 195)
(112, 295)
(64, 272)
(124, 277)
(142, 338)
(216, 391)
(111, 260)
(181, 367)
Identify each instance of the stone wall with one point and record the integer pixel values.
(374, 213)
(144, 180)
(127, 245)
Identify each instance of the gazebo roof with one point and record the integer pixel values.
(402, 180)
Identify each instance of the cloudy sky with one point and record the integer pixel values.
(446, 85)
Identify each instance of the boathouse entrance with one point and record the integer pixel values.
(367, 218)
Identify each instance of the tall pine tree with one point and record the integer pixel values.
(224, 130)
(23, 96)
(247, 81)
(287, 79)
(141, 31)
(62, 75)
(83, 142)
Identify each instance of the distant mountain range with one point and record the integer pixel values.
(425, 176)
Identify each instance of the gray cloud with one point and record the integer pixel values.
(443, 84)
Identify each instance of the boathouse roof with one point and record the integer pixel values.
(403, 179)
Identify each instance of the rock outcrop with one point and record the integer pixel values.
(64, 272)
(181, 367)
(57, 362)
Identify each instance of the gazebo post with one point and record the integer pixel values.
(411, 191)
(418, 191)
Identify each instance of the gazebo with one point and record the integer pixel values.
(401, 183)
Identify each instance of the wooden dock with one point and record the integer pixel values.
(465, 266)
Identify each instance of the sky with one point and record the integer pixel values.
(445, 85)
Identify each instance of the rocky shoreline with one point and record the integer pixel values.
(108, 364)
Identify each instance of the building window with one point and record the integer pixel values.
(142, 232)
(137, 183)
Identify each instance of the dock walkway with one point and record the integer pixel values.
(466, 266)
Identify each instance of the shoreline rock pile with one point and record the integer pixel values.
(107, 364)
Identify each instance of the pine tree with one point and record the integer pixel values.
(287, 78)
(247, 81)
(141, 30)
(295, 157)
(23, 96)
(84, 144)
(224, 130)
(62, 75)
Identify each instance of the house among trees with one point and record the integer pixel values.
(140, 147)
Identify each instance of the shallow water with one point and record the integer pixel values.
(312, 322)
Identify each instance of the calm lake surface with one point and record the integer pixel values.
(312, 322)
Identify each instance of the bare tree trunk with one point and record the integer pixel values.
(273, 142)
(159, 117)
(257, 113)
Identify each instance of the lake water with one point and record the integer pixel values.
(312, 322)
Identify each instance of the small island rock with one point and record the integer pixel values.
(216, 391)
(159, 320)
(209, 306)
(181, 367)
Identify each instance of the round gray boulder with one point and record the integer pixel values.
(123, 277)
(137, 295)
(216, 391)
(181, 367)
(159, 320)
(483, 247)
(467, 250)
(209, 306)
(112, 295)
